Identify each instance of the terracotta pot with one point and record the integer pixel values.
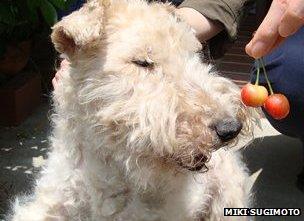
(15, 58)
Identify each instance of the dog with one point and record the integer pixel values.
(142, 129)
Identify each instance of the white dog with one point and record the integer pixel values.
(138, 125)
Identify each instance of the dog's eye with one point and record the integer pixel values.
(143, 63)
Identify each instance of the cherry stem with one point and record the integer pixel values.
(265, 74)
(258, 74)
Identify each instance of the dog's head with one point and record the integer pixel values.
(140, 76)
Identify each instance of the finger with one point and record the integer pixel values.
(54, 83)
(293, 18)
(267, 34)
(64, 63)
(58, 75)
(279, 41)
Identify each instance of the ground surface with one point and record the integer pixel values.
(22, 150)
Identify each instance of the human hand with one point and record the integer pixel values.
(204, 27)
(283, 19)
(63, 68)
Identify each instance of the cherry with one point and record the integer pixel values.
(254, 95)
(277, 106)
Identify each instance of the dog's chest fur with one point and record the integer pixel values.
(180, 196)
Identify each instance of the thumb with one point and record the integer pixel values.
(293, 18)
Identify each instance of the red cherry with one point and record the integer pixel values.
(277, 106)
(254, 95)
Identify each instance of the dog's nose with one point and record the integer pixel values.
(227, 129)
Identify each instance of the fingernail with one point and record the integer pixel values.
(290, 23)
(286, 30)
(258, 49)
(248, 48)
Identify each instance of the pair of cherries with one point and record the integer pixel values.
(255, 95)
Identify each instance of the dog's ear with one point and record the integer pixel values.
(80, 31)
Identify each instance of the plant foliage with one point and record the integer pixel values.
(21, 19)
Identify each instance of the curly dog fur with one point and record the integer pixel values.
(135, 130)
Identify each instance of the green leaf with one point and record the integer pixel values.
(68, 3)
(6, 15)
(33, 6)
(14, 9)
(58, 3)
(49, 12)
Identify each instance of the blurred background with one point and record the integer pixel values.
(27, 65)
(27, 57)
